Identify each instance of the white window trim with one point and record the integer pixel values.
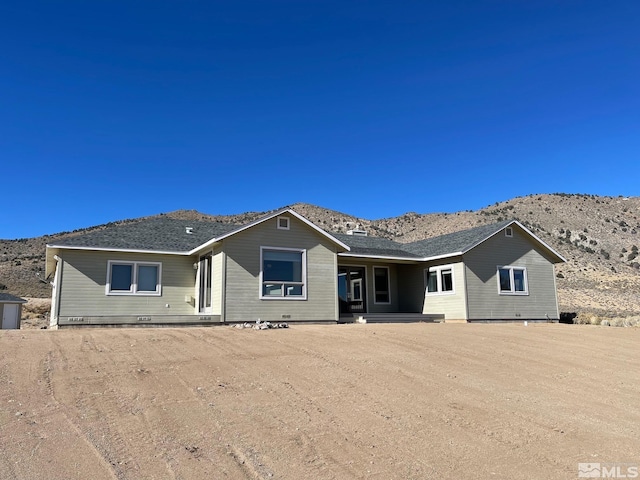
(288, 223)
(134, 284)
(439, 269)
(511, 279)
(304, 276)
(388, 285)
(508, 232)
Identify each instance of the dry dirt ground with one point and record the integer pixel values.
(412, 401)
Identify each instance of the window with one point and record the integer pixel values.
(381, 285)
(283, 273)
(133, 278)
(204, 273)
(439, 279)
(508, 232)
(512, 281)
(283, 223)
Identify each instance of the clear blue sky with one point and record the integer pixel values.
(114, 109)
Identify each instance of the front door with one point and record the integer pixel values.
(204, 295)
(352, 289)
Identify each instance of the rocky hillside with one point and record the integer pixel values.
(599, 237)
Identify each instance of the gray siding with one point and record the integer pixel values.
(411, 288)
(2, 314)
(485, 303)
(372, 307)
(452, 305)
(242, 285)
(82, 288)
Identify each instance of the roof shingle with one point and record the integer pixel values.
(153, 234)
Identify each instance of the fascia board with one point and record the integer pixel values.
(527, 231)
(264, 219)
(122, 250)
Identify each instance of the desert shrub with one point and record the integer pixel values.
(605, 254)
(592, 319)
(586, 319)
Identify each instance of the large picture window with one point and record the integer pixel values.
(381, 285)
(283, 273)
(133, 278)
(512, 281)
(439, 280)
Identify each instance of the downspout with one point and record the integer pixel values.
(336, 302)
(555, 289)
(55, 299)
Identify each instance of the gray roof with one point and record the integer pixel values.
(169, 235)
(8, 298)
(156, 234)
(455, 242)
(375, 246)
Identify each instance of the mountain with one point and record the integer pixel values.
(599, 237)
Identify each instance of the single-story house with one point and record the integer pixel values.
(10, 311)
(283, 267)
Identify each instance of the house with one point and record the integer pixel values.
(10, 311)
(282, 267)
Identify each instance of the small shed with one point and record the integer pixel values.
(10, 311)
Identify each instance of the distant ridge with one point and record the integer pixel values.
(599, 236)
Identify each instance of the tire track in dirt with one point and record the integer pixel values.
(339, 419)
(48, 368)
(195, 396)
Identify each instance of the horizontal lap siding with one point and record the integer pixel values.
(82, 289)
(242, 287)
(451, 305)
(485, 303)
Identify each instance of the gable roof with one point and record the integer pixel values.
(459, 243)
(169, 235)
(8, 298)
(158, 234)
(277, 213)
(456, 242)
(449, 245)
